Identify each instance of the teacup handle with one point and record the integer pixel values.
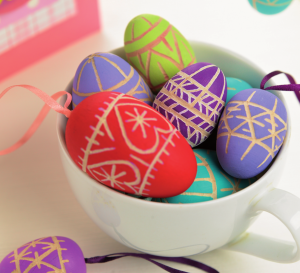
(286, 207)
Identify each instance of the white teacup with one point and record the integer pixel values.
(188, 229)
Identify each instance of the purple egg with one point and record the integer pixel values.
(49, 254)
(108, 72)
(250, 133)
(193, 99)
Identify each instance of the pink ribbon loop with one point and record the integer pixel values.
(51, 103)
(286, 87)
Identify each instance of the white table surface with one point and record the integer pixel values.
(35, 197)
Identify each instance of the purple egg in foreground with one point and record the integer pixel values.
(100, 72)
(45, 255)
(251, 131)
(192, 100)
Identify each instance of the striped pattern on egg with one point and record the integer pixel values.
(100, 72)
(193, 100)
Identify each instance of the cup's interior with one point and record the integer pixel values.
(230, 63)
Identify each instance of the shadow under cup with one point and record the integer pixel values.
(185, 229)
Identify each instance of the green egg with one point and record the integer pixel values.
(211, 181)
(156, 49)
(234, 86)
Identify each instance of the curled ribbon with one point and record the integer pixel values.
(286, 87)
(51, 103)
(148, 257)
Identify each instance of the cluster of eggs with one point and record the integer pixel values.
(141, 125)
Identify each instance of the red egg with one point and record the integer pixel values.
(127, 145)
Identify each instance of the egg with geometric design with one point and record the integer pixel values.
(234, 86)
(193, 101)
(211, 181)
(125, 144)
(45, 255)
(100, 72)
(251, 131)
(156, 49)
(270, 7)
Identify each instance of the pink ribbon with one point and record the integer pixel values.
(51, 103)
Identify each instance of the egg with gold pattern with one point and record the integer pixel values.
(270, 7)
(250, 133)
(100, 72)
(126, 145)
(193, 100)
(156, 49)
(211, 181)
(45, 255)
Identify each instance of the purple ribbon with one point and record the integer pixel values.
(148, 257)
(286, 87)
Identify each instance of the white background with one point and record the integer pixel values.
(35, 197)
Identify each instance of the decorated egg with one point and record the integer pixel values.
(211, 181)
(108, 72)
(156, 49)
(234, 86)
(11, 5)
(270, 6)
(45, 255)
(192, 100)
(127, 145)
(250, 133)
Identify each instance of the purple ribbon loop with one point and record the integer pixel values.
(286, 87)
(148, 257)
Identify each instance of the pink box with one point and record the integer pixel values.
(40, 27)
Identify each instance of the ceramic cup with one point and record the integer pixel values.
(188, 229)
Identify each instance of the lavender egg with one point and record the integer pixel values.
(193, 99)
(251, 131)
(45, 255)
(108, 72)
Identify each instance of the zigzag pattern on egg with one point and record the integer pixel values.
(192, 100)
